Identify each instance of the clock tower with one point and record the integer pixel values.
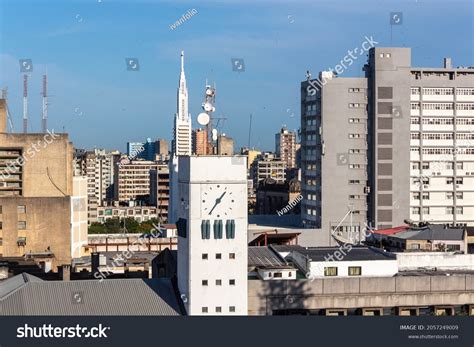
(212, 234)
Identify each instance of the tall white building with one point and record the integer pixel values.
(181, 139)
(182, 126)
(212, 230)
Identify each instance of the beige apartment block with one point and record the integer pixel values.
(35, 194)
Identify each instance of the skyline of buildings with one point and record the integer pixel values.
(354, 164)
(402, 153)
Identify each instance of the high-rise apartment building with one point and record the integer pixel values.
(98, 166)
(200, 142)
(132, 180)
(404, 151)
(267, 165)
(160, 191)
(285, 147)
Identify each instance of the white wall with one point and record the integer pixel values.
(439, 260)
(196, 175)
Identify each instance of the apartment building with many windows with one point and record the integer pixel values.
(405, 150)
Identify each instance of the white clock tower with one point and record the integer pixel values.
(212, 229)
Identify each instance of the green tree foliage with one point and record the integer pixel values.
(128, 225)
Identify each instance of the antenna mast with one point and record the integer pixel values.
(25, 103)
(44, 118)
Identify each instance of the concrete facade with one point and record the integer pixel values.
(36, 186)
(311, 296)
(403, 152)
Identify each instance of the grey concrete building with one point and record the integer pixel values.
(403, 152)
(285, 146)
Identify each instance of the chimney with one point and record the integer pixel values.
(65, 272)
(95, 262)
(3, 116)
(447, 63)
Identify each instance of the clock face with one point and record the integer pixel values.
(217, 201)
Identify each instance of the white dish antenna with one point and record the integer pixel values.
(203, 118)
(214, 134)
(207, 106)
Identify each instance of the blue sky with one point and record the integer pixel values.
(82, 45)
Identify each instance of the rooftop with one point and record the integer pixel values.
(28, 295)
(357, 253)
(264, 257)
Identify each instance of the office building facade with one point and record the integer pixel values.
(404, 151)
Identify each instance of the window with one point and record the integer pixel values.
(415, 210)
(459, 210)
(1, 210)
(181, 225)
(218, 282)
(232, 282)
(231, 308)
(416, 196)
(230, 229)
(204, 282)
(1, 225)
(204, 310)
(426, 210)
(425, 166)
(218, 256)
(330, 271)
(231, 255)
(449, 165)
(205, 229)
(21, 209)
(277, 275)
(449, 180)
(426, 195)
(218, 229)
(459, 180)
(218, 309)
(449, 195)
(450, 210)
(21, 225)
(459, 165)
(459, 195)
(205, 256)
(355, 271)
(415, 166)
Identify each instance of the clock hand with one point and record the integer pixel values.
(213, 207)
(218, 201)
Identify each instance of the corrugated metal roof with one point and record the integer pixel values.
(432, 232)
(144, 297)
(264, 257)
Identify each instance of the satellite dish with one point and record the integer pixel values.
(214, 135)
(203, 118)
(209, 92)
(207, 107)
